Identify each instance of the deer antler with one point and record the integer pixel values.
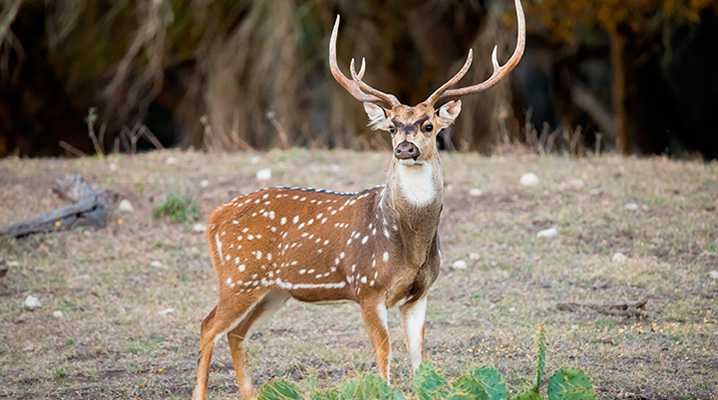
(356, 87)
(500, 71)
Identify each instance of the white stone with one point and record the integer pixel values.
(57, 314)
(577, 183)
(264, 174)
(529, 179)
(156, 264)
(167, 311)
(199, 228)
(548, 233)
(474, 256)
(475, 192)
(631, 206)
(125, 206)
(459, 264)
(713, 274)
(113, 167)
(171, 160)
(619, 257)
(203, 183)
(32, 303)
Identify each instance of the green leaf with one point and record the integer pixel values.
(330, 394)
(481, 384)
(492, 382)
(279, 390)
(570, 384)
(528, 395)
(428, 384)
(467, 388)
(365, 388)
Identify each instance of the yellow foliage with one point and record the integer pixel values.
(640, 16)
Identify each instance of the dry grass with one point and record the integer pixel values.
(112, 341)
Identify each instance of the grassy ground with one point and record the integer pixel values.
(114, 341)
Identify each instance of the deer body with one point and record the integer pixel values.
(378, 248)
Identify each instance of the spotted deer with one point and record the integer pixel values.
(378, 247)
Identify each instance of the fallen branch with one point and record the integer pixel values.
(627, 309)
(92, 208)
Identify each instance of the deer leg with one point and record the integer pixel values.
(269, 304)
(223, 317)
(374, 314)
(413, 316)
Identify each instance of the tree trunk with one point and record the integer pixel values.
(619, 71)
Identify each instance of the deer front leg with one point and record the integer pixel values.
(413, 316)
(375, 318)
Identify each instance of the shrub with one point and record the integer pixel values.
(484, 383)
(177, 208)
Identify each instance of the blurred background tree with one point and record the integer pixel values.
(252, 74)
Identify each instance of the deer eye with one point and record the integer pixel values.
(392, 130)
(428, 127)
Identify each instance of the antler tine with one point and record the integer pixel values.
(451, 82)
(362, 69)
(345, 82)
(500, 71)
(389, 98)
(357, 88)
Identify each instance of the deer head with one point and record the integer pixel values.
(413, 129)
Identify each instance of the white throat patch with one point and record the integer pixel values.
(417, 183)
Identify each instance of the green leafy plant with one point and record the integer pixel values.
(484, 383)
(177, 208)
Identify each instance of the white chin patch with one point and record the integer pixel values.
(416, 181)
(409, 162)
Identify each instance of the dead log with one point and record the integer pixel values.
(92, 208)
(627, 309)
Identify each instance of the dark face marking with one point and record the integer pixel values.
(410, 127)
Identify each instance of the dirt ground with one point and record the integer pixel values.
(132, 295)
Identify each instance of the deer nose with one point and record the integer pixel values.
(406, 150)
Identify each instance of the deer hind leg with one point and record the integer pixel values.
(413, 316)
(225, 316)
(375, 316)
(265, 308)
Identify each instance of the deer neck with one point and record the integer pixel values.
(412, 202)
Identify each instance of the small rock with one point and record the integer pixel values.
(548, 233)
(619, 258)
(204, 183)
(13, 263)
(474, 256)
(631, 206)
(264, 174)
(28, 348)
(459, 264)
(171, 160)
(57, 314)
(577, 183)
(529, 179)
(125, 206)
(167, 311)
(113, 167)
(713, 274)
(32, 303)
(475, 192)
(199, 228)
(156, 264)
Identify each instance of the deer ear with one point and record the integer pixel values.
(377, 116)
(448, 112)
